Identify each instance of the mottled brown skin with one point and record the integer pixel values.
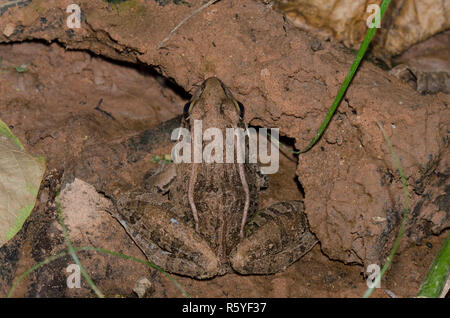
(163, 223)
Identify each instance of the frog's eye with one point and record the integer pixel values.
(186, 110)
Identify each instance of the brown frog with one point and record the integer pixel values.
(201, 219)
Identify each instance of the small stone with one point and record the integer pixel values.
(142, 286)
(9, 29)
(316, 45)
(265, 72)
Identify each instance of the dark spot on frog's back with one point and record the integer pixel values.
(133, 219)
(202, 206)
(211, 187)
(176, 245)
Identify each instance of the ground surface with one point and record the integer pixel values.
(52, 109)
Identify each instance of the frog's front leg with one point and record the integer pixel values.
(167, 241)
(279, 236)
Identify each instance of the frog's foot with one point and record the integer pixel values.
(167, 241)
(279, 236)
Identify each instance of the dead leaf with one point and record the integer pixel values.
(20, 178)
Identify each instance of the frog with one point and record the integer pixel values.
(202, 220)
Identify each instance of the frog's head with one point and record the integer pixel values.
(214, 104)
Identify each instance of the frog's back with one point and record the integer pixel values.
(219, 198)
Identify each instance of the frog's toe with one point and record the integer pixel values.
(279, 236)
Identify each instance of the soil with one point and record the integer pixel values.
(105, 84)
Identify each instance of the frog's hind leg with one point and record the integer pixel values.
(169, 243)
(279, 236)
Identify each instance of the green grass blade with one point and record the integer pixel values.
(348, 79)
(4, 130)
(438, 274)
(74, 255)
(97, 249)
(405, 215)
(32, 269)
(147, 263)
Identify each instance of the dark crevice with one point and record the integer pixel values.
(289, 151)
(142, 68)
(145, 70)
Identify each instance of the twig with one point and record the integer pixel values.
(103, 111)
(184, 21)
